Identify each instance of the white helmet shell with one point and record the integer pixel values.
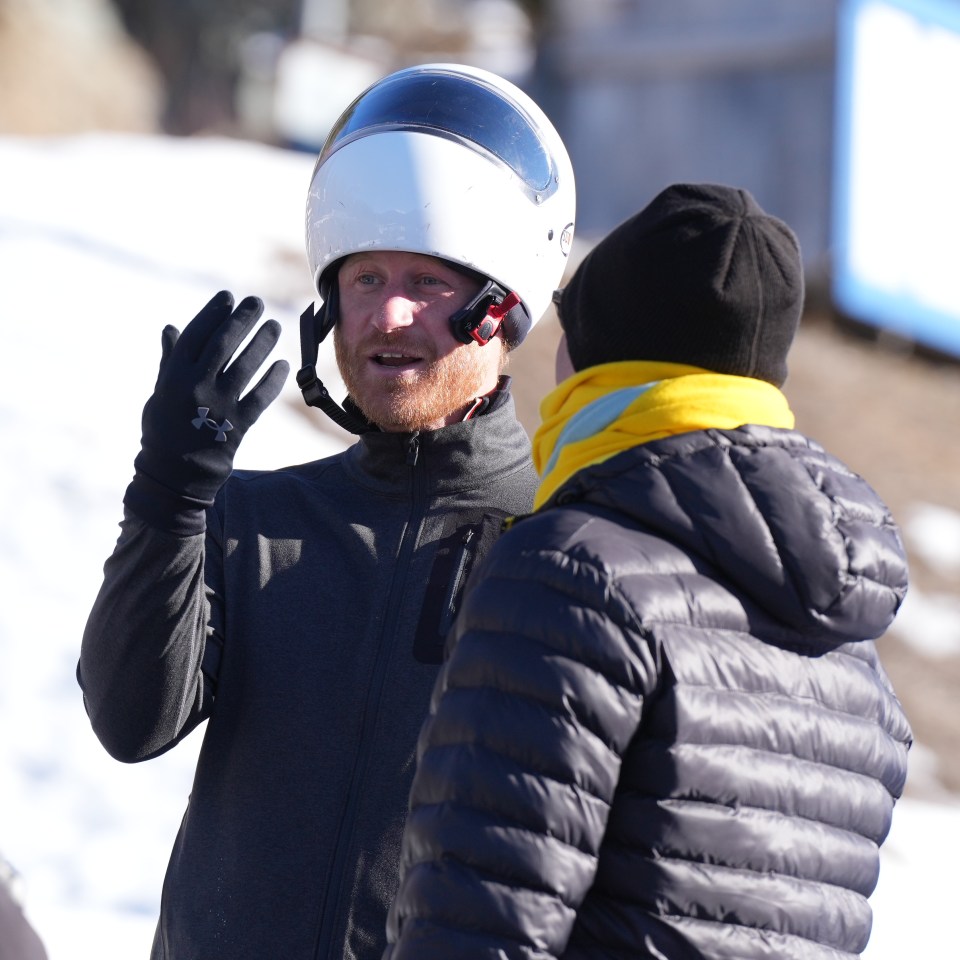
(453, 162)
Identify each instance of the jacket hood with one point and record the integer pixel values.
(785, 523)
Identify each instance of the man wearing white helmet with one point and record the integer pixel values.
(302, 611)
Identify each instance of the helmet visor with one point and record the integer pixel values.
(450, 105)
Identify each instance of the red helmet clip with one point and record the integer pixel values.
(487, 328)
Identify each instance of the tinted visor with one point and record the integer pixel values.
(454, 106)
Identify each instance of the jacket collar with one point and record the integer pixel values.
(482, 450)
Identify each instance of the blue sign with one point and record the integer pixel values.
(896, 203)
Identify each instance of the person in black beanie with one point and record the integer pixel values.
(716, 281)
(662, 729)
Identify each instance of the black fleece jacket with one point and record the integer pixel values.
(306, 627)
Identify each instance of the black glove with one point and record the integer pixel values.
(195, 420)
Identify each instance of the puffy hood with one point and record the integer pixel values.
(785, 523)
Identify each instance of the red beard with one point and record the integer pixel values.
(422, 397)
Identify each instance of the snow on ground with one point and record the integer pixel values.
(930, 622)
(103, 240)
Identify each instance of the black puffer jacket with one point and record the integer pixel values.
(662, 729)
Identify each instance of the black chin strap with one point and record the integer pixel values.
(314, 327)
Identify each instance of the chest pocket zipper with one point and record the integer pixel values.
(450, 603)
(467, 545)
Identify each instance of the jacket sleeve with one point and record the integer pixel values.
(151, 642)
(518, 761)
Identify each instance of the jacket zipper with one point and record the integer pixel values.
(371, 708)
(450, 599)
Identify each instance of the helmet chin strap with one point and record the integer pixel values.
(314, 327)
(477, 322)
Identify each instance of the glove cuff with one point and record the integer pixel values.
(162, 508)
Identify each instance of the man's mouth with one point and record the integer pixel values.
(390, 359)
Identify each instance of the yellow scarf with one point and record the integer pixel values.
(606, 409)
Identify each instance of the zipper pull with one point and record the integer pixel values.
(413, 448)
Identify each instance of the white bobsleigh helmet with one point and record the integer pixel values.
(454, 162)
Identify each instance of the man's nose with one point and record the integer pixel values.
(396, 311)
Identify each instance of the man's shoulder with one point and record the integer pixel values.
(294, 471)
(567, 529)
(585, 539)
(278, 482)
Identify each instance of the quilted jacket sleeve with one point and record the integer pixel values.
(519, 759)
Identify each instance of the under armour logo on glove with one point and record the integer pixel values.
(202, 420)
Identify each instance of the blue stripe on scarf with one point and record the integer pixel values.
(595, 417)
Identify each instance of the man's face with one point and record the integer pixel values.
(398, 358)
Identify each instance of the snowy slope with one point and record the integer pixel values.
(103, 240)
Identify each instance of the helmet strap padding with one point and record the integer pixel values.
(329, 312)
(314, 327)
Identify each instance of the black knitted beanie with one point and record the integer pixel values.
(700, 276)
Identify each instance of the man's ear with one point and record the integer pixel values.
(564, 365)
